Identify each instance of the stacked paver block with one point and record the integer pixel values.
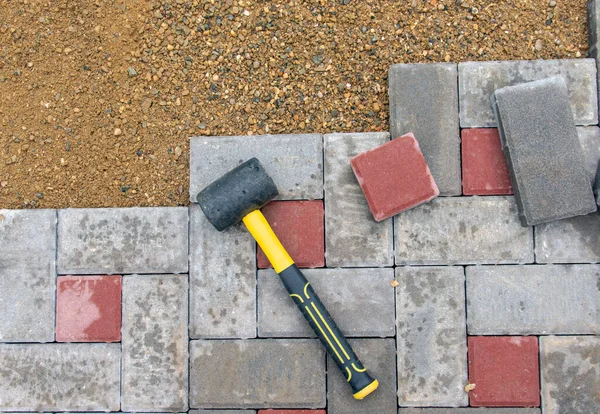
(597, 186)
(222, 411)
(594, 32)
(469, 411)
(589, 139)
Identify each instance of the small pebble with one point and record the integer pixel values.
(131, 72)
(539, 45)
(552, 3)
(118, 132)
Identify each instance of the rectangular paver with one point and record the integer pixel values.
(478, 80)
(222, 280)
(59, 377)
(123, 240)
(261, 373)
(432, 346)
(469, 411)
(463, 230)
(593, 7)
(155, 343)
(424, 100)
(361, 301)
(222, 411)
(352, 236)
(533, 300)
(589, 138)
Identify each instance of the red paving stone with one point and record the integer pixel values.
(292, 412)
(394, 177)
(505, 371)
(299, 225)
(88, 309)
(484, 168)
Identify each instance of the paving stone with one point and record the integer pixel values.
(432, 350)
(478, 80)
(222, 412)
(469, 411)
(533, 300)
(352, 237)
(424, 100)
(88, 309)
(300, 227)
(261, 373)
(222, 280)
(548, 168)
(292, 412)
(589, 138)
(27, 275)
(597, 186)
(593, 30)
(379, 357)
(123, 240)
(463, 230)
(505, 371)
(155, 343)
(294, 162)
(569, 370)
(59, 377)
(360, 301)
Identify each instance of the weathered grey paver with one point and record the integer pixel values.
(59, 377)
(478, 80)
(569, 374)
(295, 162)
(260, 373)
(432, 344)
(533, 300)
(222, 412)
(155, 343)
(597, 186)
(424, 100)
(463, 230)
(360, 301)
(469, 411)
(589, 138)
(352, 236)
(593, 7)
(123, 240)
(222, 280)
(379, 357)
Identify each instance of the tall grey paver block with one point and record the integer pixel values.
(533, 300)
(295, 162)
(432, 344)
(379, 357)
(424, 100)
(59, 377)
(594, 31)
(569, 374)
(360, 301)
(469, 411)
(589, 138)
(123, 240)
(597, 186)
(222, 280)
(463, 230)
(155, 343)
(352, 236)
(260, 373)
(478, 80)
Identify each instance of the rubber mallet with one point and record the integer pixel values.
(238, 196)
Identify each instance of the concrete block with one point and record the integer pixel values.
(262, 373)
(597, 186)
(424, 100)
(294, 162)
(463, 230)
(432, 346)
(478, 80)
(469, 411)
(59, 377)
(589, 138)
(155, 343)
(361, 301)
(222, 280)
(123, 240)
(222, 411)
(352, 237)
(548, 167)
(533, 300)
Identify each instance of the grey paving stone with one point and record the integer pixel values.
(569, 374)
(27, 275)
(547, 169)
(222, 412)
(463, 230)
(478, 80)
(222, 280)
(295, 162)
(155, 343)
(361, 301)
(432, 344)
(533, 300)
(589, 138)
(352, 236)
(379, 357)
(597, 186)
(261, 373)
(59, 377)
(123, 240)
(469, 411)
(424, 100)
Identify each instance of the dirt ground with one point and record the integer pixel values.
(98, 98)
